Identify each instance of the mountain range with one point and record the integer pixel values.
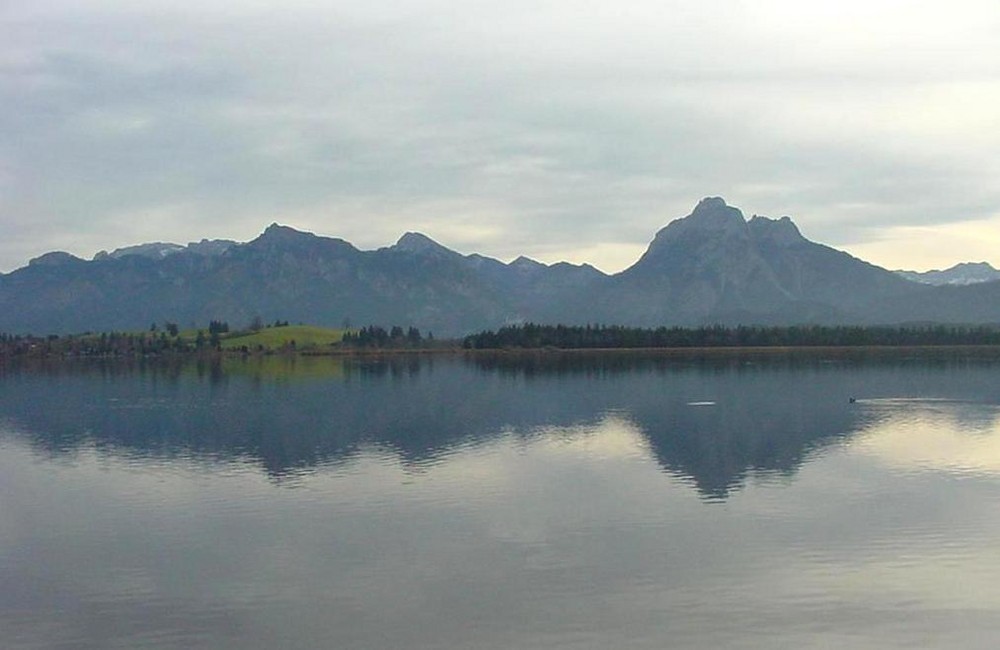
(712, 266)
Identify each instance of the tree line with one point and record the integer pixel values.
(375, 336)
(158, 339)
(107, 344)
(571, 337)
(168, 339)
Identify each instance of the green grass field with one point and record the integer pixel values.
(273, 338)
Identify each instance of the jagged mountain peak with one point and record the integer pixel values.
(278, 232)
(712, 221)
(781, 231)
(589, 268)
(419, 243)
(969, 266)
(279, 238)
(713, 212)
(526, 264)
(711, 217)
(278, 235)
(711, 204)
(963, 273)
(210, 247)
(55, 258)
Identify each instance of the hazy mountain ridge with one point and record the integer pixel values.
(713, 266)
(961, 274)
(160, 250)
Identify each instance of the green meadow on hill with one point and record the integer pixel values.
(273, 338)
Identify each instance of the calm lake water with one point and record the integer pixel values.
(729, 501)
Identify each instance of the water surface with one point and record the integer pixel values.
(727, 501)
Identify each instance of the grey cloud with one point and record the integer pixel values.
(507, 130)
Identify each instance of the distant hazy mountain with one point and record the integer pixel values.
(712, 266)
(960, 274)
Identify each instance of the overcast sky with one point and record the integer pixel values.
(558, 129)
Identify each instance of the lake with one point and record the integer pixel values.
(723, 500)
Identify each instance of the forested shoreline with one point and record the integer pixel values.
(572, 337)
(529, 336)
(258, 338)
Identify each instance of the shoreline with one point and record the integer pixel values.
(522, 352)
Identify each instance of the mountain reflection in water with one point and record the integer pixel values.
(712, 420)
